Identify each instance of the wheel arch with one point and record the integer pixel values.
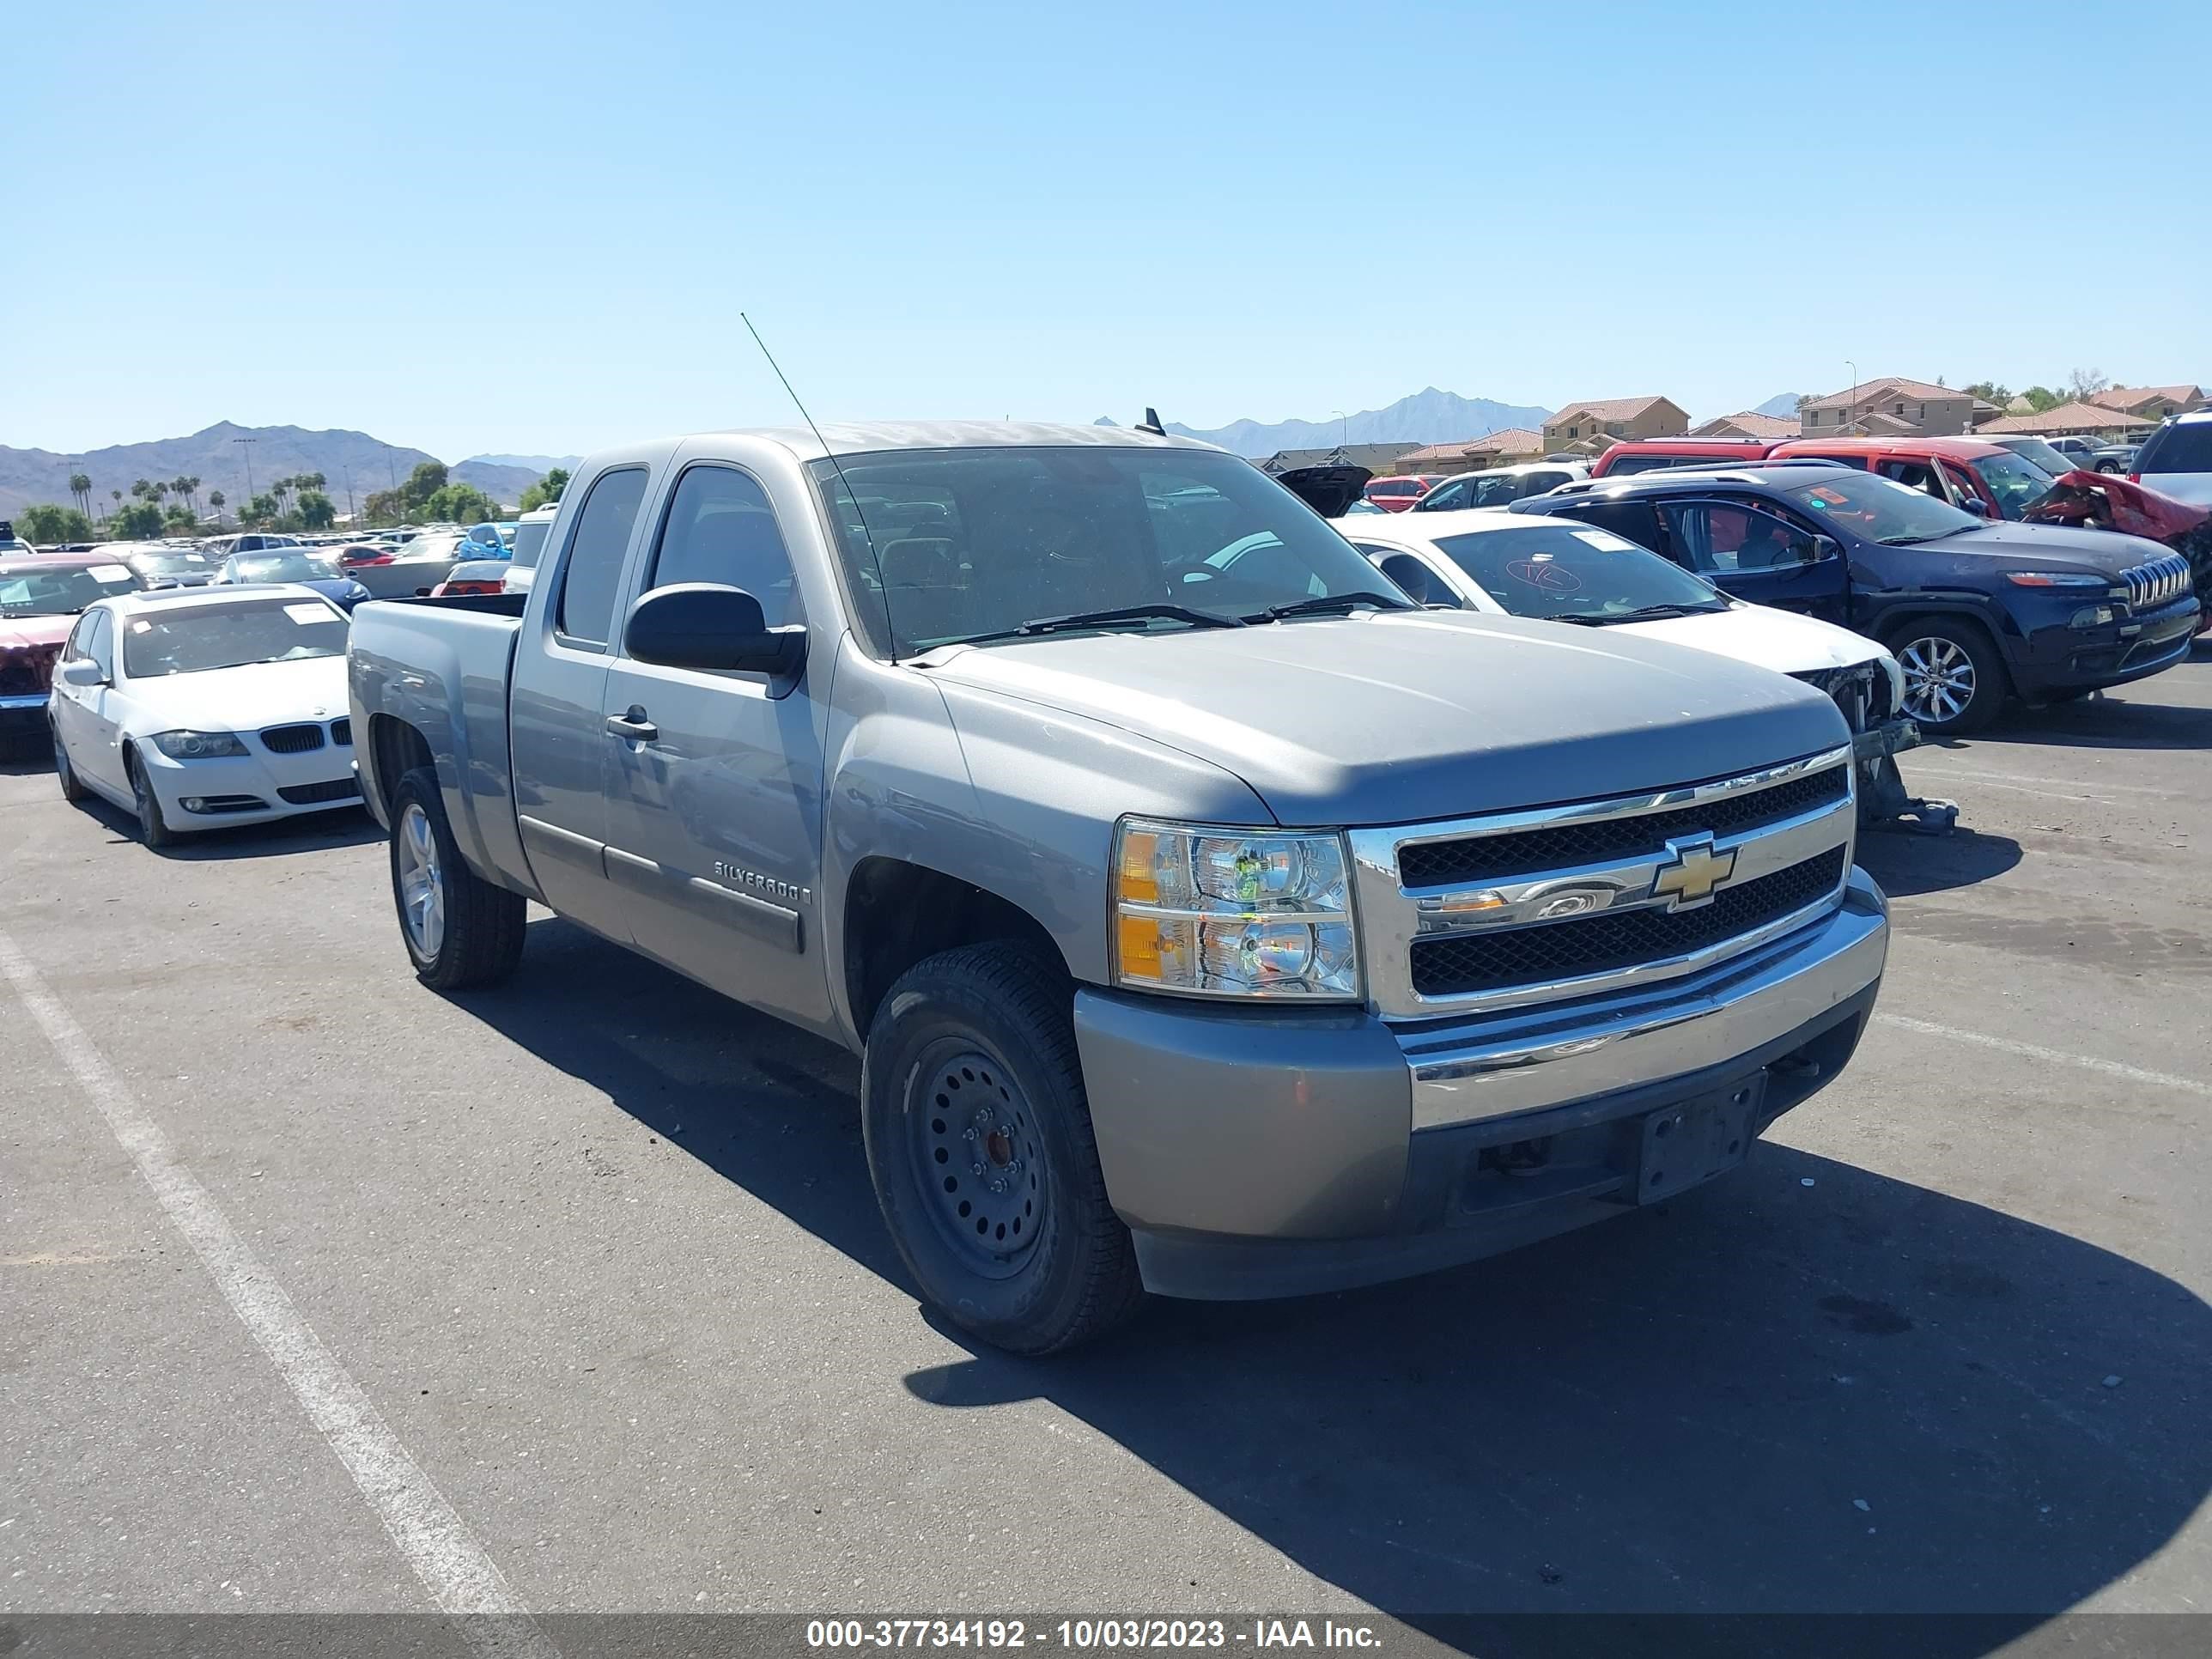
(897, 913)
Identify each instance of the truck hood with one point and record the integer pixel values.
(1401, 716)
(16, 632)
(2107, 552)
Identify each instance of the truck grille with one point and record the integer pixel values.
(27, 672)
(1615, 940)
(291, 740)
(1519, 908)
(2159, 582)
(1491, 857)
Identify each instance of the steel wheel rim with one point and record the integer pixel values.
(422, 882)
(972, 1137)
(1939, 679)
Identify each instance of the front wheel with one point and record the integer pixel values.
(153, 829)
(1954, 681)
(980, 1145)
(461, 929)
(72, 786)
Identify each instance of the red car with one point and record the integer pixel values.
(1649, 454)
(41, 595)
(1973, 473)
(1396, 495)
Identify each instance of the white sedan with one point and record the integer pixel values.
(206, 706)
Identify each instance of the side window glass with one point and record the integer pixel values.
(100, 646)
(591, 581)
(719, 528)
(1721, 538)
(1635, 520)
(1444, 497)
(1410, 573)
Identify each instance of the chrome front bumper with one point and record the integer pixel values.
(1472, 1070)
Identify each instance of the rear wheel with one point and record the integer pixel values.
(1954, 680)
(461, 929)
(73, 788)
(980, 1145)
(153, 829)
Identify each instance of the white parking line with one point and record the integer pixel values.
(2056, 1056)
(2022, 779)
(453, 1567)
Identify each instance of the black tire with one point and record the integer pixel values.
(153, 829)
(478, 938)
(1941, 642)
(1075, 1277)
(72, 786)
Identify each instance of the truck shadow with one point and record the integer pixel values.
(1906, 863)
(2115, 722)
(1806, 1388)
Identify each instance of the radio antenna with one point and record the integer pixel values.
(851, 494)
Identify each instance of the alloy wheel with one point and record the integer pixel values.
(422, 882)
(1939, 679)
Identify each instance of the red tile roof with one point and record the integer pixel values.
(1751, 423)
(2067, 417)
(1603, 408)
(2127, 397)
(1889, 385)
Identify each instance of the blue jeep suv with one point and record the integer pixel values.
(1971, 609)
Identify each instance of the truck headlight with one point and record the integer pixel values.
(1232, 913)
(198, 745)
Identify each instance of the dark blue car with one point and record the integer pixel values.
(1972, 609)
(306, 566)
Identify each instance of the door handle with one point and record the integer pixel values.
(632, 726)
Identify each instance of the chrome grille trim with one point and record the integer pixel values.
(2159, 582)
(1394, 915)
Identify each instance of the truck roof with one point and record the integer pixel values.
(864, 437)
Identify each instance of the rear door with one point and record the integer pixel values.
(2176, 460)
(557, 715)
(1755, 552)
(714, 781)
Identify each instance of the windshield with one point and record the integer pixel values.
(2014, 480)
(195, 638)
(51, 588)
(168, 564)
(1555, 570)
(961, 542)
(2177, 446)
(283, 568)
(1876, 509)
(529, 542)
(2041, 454)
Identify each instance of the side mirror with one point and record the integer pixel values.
(81, 670)
(1826, 547)
(1977, 507)
(706, 625)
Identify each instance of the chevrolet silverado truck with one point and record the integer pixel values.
(1212, 919)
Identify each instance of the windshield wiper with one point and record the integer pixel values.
(1127, 613)
(1903, 541)
(1646, 613)
(1322, 604)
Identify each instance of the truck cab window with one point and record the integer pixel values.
(719, 528)
(591, 581)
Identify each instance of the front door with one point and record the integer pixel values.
(90, 717)
(1754, 553)
(557, 720)
(715, 780)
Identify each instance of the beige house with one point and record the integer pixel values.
(2074, 420)
(2153, 403)
(1893, 407)
(1503, 449)
(1592, 427)
(1747, 424)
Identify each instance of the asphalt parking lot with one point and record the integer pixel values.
(597, 1252)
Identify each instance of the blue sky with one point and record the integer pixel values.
(531, 227)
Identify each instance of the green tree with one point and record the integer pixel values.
(46, 523)
(262, 509)
(317, 510)
(2040, 397)
(384, 506)
(138, 522)
(1989, 392)
(428, 479)
(180, 517)
(141, 489)
(218, 502)
(459, 503)
(545, 492)
(81, 486)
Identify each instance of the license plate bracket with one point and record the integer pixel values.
(1695, 1139)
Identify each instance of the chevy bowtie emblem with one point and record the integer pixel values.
(1697, 870)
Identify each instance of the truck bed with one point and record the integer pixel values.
(443, 667)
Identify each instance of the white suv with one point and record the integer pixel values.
(2175, 461)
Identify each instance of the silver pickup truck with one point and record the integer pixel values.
(1212, 920)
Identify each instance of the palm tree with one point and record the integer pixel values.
(192, 490)
(216, 499)
(117, 495)
(141, 489)
(81, 486)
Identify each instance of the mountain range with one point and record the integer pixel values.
(220, 460)
(1429, 416)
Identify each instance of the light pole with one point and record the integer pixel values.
(248, 453)
(347, 469)
(1850, 408)
(1343, 427)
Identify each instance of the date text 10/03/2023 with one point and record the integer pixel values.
(1088, 1634)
